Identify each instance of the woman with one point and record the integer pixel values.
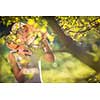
(25, 63)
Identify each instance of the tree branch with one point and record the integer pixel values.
(89, 26)
(72, 47)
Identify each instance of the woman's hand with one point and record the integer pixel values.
(48, 56)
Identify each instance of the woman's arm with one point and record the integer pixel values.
(49, 56)
(17, 72)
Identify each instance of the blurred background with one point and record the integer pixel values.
(75, 42)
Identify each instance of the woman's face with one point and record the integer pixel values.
(22, 37)
(22, 34)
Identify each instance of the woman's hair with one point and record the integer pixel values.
(16, 27)
(22, 33)
(23, 29)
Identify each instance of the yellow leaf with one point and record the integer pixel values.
(36, 42)
(2, 41)
(98, 20)
(36, 25)
(51, 38)
(39, 34)
(18, 41)
(31, 21)
(17, 19)
(43, 29)
(13, 37)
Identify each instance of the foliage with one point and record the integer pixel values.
(6, 75)
(78, 26)
(85, 30)
(40, 28)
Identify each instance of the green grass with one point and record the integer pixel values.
(67, 69)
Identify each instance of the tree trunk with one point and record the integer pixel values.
(71, 46)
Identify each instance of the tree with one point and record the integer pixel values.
(71, 46)
(78, 35)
